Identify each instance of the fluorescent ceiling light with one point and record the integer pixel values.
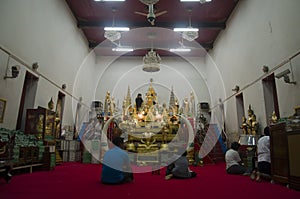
(109, 0)
(116, 29)
(120, 49)
(180, 50)
(186, 29)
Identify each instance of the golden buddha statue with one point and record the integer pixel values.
(254, 125)
(107, 104)
(150, 96)
(244, 125)
(274, 118)
(185, 107)
(176, 107)
(249, 121)
(113, 105)
(50, 104)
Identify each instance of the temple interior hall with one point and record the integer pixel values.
(208, 73)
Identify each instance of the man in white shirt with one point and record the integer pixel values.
(263, 156)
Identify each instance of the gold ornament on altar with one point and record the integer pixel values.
(148, 143)
(149, 127)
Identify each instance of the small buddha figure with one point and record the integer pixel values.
(40, 124)
(185, 107)
(254, 125)
(113, 105)
(175, 108)
(274, 118)
(165, 112)
(107, 104)
(51, 104)
(249, 121)
(165, 131)
(192, 100)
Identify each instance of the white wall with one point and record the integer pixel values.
(259, 33)
(10, 90)
(175, 72)
(43, 32)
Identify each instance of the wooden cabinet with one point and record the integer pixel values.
(40, 122)
(279, 153)
(294, 158)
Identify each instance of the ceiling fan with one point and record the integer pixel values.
(151, 15)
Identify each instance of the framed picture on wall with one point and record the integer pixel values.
(2, 109)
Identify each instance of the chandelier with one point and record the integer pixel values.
(112, 35)
(151, 62)
(190, 35)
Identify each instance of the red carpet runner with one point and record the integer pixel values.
(75, 180)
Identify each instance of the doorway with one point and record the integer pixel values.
(27, 99)
(270, 97)
(240, 110)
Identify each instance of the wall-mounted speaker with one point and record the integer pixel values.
(204, 106)
(96, 104)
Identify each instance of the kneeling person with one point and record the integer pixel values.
(180, 169)
(116, 167)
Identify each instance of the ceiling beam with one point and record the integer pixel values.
(207, 46)
(207, 25)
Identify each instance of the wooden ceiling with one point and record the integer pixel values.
(210, 18)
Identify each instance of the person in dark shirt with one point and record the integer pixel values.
(116, 167)
(139, 101)
(180, 169)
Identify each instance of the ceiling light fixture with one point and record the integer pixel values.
(151, 61)
(116, 29)
(186, 29)
(180, 50)
(122, 49)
